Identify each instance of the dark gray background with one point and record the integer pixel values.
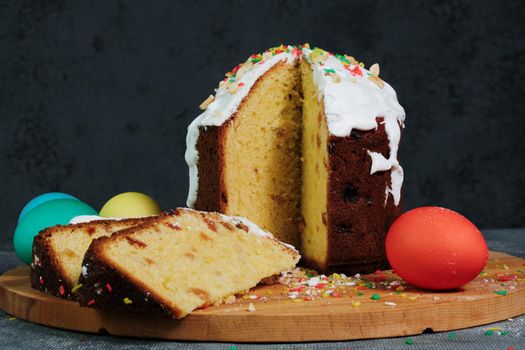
(95, 96)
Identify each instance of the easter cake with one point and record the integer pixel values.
(303, 143)
(58, 252)
(180, 261)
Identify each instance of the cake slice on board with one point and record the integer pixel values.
(180, 261)
(58, 252)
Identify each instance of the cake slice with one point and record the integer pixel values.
(58, 252)
(179, 262)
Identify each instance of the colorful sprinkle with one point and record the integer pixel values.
(356, 303)
(489, 332)
(108, 287)
(12, 318)
(356, 71)
(91, 302)
(452, 336)
(305, 285)
(409, 341)
(501, 292)
(61, 290)
(506, 277)
(375, 297)
(318, 55)
(127, 301)
(256, 58)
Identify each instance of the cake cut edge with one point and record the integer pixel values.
(47, 273)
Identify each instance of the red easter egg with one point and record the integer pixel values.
(436, 248)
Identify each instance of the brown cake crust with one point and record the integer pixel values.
(46, 273)
(357, 218)
(104, 287)
(210, 167)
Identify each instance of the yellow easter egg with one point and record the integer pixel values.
(130, 205)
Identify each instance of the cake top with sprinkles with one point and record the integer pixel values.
(233, 80)
(376, 97)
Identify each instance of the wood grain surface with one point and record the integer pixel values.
(279, 319)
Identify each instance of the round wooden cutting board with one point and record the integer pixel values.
(497, 294)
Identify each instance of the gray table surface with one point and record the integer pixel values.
(19, 334)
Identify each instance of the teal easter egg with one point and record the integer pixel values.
(51, 213)
(46, 197)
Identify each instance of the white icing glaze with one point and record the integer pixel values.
(87, 218)
(351, 101)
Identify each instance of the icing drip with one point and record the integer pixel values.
(353, 98)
